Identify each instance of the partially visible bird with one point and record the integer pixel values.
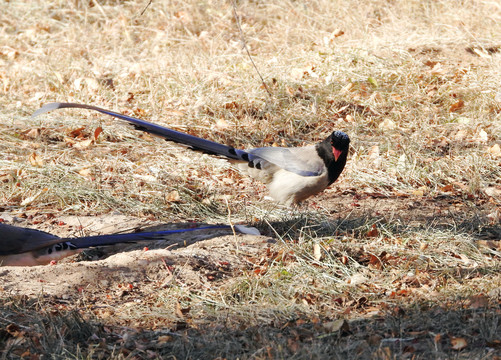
(292, 174)
(29, 247)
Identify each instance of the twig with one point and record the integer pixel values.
(232, 226)
(237, 19)
(146, 7)
(229, 217)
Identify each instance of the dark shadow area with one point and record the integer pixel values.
(354, 215)
(416, 330)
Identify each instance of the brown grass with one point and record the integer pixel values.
(408, 236)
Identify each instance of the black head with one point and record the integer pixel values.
(340, 143)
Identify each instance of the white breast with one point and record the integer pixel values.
(289, 188)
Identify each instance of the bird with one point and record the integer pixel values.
(21, 246)
(292, 174)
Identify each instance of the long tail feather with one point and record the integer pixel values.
(194, 142)
(102, 240)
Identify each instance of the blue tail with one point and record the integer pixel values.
(102, 240)
(196, 143)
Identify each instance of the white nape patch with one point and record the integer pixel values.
(249, 230)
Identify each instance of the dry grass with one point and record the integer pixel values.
(408, 237)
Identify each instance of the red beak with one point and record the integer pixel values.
(337, 153)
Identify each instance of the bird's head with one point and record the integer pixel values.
(340, 143)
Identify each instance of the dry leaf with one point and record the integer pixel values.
(356, 279)
(373, 232)
(479, 301)
(482, 53)
(458, 343)
(482, 136)
(183, 16)
(456, 106)
(91, 84)
(300, 73)
(77, 132)
(164, 339)
(30, 199)
(494, 150)
(460, 135)
(447, 188)
(222, 124)
(492, 191)
(374, 152)
(172, 196)
(36, 160)
(83, 144)
(438, 70)
(374, 156)
(419, 191)
(85, 172)
(336, 325)
(98, 131)
(387, 124)
(179, 311)
(33, 133)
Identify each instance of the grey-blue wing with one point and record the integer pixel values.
(303, 161)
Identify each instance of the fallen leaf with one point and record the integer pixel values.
(172, 196)
(30, 199)
(494, 150)
(482, 136)
(373, 232)
(447, 188)
(77, 132)
(438, 69)
(33, 133)
(374, 155)
(375, 262)
(83, 144)
(90, 83)
(456, 106)
(303, 72)
(35, 160)
(387, 124)
(479, 301)
(336, 325)
(179, 311)
(98, 131)
(356, 279)
(419, 191)
(458, 343)
(460, 135)
(84, 171)
(222, 124)
(492, 191)
(164, 339)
